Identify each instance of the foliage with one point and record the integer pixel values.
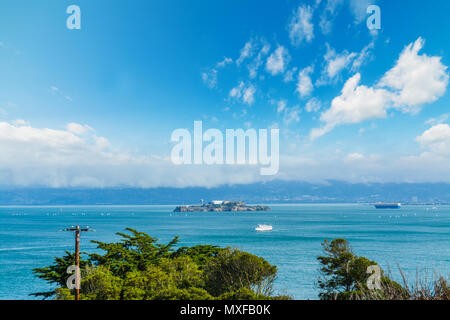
(344, 277)
(232, 270)
(139, 268)
(57, 272)
(342, 272)
(199, 254)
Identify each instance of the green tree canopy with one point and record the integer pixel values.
(139, 268)
(344, 275)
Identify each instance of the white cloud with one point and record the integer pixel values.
(210, 78)
(417, 79)
(438, 120)
(20, 122)
(246, 52)
(354, 157)
(301, 28)
(335, 63)
(328, 14)
(289, 75)
(281, 105)
(355, 104)
(304, 84)
(258, 60)
(313, 105)
(236, 92)
(413, 81)
(277, 61)
(50, 157)
(58, 158)
(249, 95)
(78, 129)
(224, 62)
(291, 115)
(363, 56)
(243, 93)
(436, 139)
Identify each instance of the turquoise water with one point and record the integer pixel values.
(415, 237)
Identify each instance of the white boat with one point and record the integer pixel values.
(263, 227)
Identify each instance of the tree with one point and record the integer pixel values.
(57, 272)
(341, 271)
(139, 268)
(232, 270)
(344, 275)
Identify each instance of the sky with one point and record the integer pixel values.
(96, 107)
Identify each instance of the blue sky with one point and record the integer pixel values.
(97, 106)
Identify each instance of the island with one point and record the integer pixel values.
(221, 206)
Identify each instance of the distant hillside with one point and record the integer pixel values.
(269, 192)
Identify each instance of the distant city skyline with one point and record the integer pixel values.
(96, 107)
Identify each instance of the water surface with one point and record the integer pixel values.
(415, 237)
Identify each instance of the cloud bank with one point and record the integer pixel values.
(77, 157)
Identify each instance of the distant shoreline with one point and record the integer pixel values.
(175, 205)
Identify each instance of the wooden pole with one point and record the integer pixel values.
(77, 231)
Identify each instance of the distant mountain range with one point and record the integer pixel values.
(268, 192)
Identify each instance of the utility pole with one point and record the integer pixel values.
(77, 231)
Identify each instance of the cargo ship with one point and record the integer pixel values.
(388, 205)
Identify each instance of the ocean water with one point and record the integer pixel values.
(417, 238)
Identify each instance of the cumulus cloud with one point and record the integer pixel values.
(413, 81)
(436, 139)
(335, 63)
(326, 18)
(277, 61)
(291, 115)
(254, 65)
(301, 28)
(355, 104)
(78, 129)
(416, 79)
(20, 122)
(304, 84)
(224, 62)
(50, 157)
(313, 105)
(249, 95)
(246, 51)
(366, 168)
(289, 75)
(59, 158)
(243, 93)
(363, 56)
(438, 120)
